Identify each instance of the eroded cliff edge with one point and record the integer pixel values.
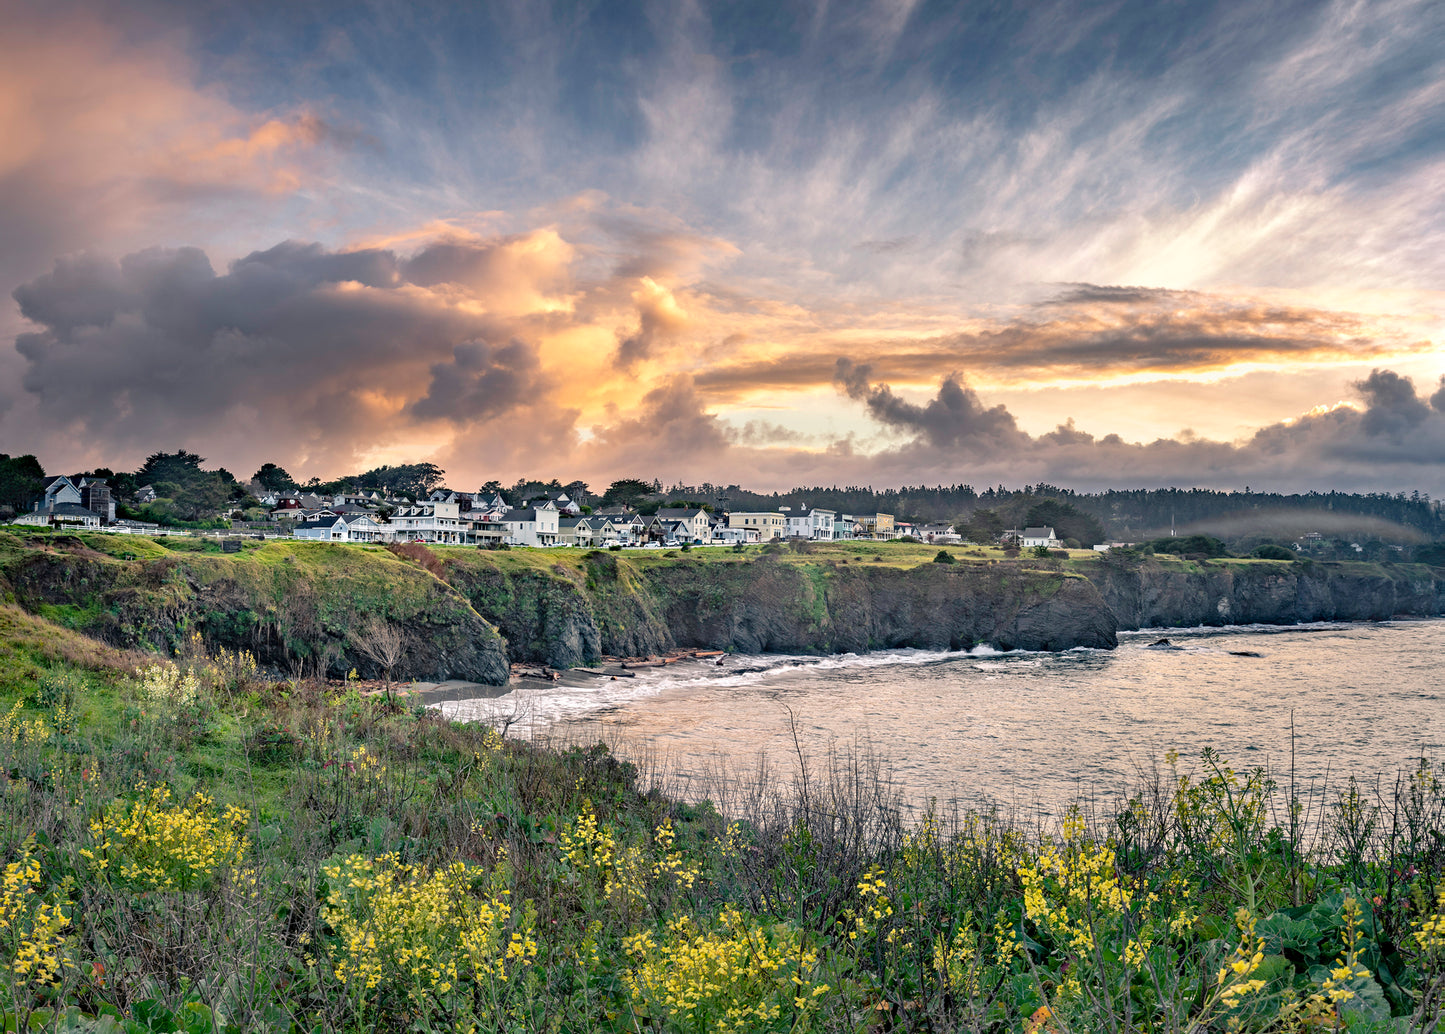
(464, 614)
(299, 607)
(566, 615)
(1146, 593)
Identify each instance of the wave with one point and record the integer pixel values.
(543, 704)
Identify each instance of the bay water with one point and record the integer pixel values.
(1028, 730)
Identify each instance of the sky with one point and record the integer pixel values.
(1090, 244)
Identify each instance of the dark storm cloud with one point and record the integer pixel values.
(1077, 294)
(1393, 407)
(295, 344)
(482, 381)
(1397, 438)
(955, 417)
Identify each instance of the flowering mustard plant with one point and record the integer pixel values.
(153, 844)
(33, 943)
(741, 974)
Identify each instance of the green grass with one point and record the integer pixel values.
(619, 888)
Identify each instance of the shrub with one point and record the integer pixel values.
(1271, 551)
(943, 556)
(418, 553)
(58, 686)
(1191, 545)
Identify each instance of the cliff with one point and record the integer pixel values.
(613, 604)
(311, 606)
(1145, 593)
(296, 607)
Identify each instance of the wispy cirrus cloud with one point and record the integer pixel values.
(592, 219)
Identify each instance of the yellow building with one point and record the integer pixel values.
(768, 525)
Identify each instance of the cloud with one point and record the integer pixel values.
(482, 381)
(659, 318)
(954, 418)
(1090, 335)
(1393, 439)
(104, 135)
(514, 275)
(1392, 409)
(670, 427)
(294, 349)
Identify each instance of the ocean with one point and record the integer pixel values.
(1025, 730)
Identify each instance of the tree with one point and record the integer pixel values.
(19, 481)
(628, 492)
(180, 467)
(382, 643)
(1190, 545)
(983, 527)
(1067, 520)
(273, 478)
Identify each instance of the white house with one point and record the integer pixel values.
(768, 525)
(429, 522)
(1030, 538)
(697, 520)
(943, 534)
(342, 528)
(819, 525)
(534, 526)
(565, 503)
(55, 490)
(733, 536)
(62, 515)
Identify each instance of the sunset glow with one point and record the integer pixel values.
(773, 244)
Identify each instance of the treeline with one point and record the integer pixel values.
(1122, 514)
(186, 491)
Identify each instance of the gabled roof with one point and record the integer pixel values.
(1038, 533)
(73, 510)
(517, 516)
(680, 513)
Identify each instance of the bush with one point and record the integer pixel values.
(1191, 545)
(417, 552)
(944, 557)
(1432, 553)
(1270, 551)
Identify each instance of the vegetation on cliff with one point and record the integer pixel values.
(455, 612)
(188, 847)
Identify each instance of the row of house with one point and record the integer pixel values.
(465, 518)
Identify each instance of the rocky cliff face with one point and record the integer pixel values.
(1145, 594)
(295, 609)
(305, 606)
(760, 604)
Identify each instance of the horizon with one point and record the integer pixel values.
(861, 243)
